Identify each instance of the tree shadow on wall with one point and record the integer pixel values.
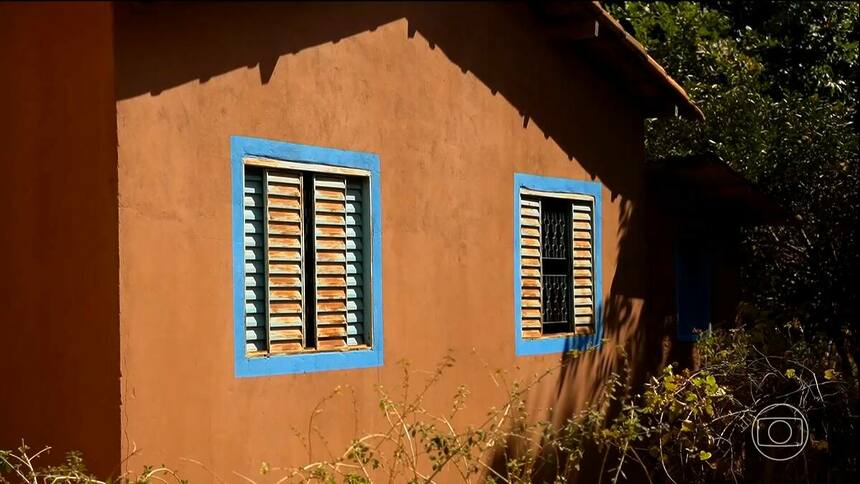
(558, 89)
(638, 317)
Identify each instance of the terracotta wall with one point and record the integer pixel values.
(59, 325)
(454, 99)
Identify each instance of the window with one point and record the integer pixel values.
(304, 285)
(557, 268)
(306, 245)
(692, 287)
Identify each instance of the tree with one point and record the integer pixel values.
(777, 82)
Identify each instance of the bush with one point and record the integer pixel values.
(681, 425)
(687, 425)
(20, 466)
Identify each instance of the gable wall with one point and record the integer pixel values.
(442, 96)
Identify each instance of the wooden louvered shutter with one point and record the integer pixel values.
(273, 262)
(330, 257)
(530, 267)
(304, 261)
(583, 265)
(537, 286)
(355, 230)
(339, 262)
(304, 237)
(255, 263)
(285, 218)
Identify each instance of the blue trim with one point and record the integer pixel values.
(240, 147)
(526, 347)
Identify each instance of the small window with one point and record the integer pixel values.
(558, 275)
(307, 258)
(693, 287)
(558, 265)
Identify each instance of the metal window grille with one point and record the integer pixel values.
(556, 264)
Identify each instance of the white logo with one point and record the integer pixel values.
(780, 432)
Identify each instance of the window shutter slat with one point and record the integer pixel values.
(530, 273)
(330, 242)
(583, 266)
(255, 289)
(284, 221)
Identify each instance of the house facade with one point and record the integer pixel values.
(221, 213)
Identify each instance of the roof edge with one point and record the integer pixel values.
(685, 105)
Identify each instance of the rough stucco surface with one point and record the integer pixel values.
(59, 329)
(454, 102)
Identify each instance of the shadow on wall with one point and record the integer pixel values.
(499, 44)
(503, 46)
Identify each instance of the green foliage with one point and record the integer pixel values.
(680, 426)
(684, 426)
(777, 82)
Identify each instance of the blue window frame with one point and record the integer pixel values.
(565, 341)
(242, 148)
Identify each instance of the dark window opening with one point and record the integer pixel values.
(556, 265)
(309, 302)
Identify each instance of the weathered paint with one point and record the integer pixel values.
(59, 328)
(455, 99)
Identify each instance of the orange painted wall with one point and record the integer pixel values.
(59, 325)
(454, 99)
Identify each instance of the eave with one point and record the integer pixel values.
(588, 29)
